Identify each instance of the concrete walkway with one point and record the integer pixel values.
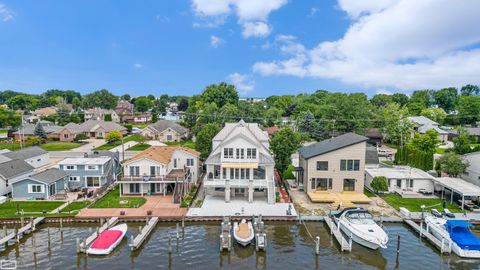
(126, 145)
(92, 143)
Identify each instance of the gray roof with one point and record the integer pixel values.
(26, 153)
(330, 145)
(161, 125)
(49, 176)
(88, 125)
(14, 168)
(422, 120)
(29, 129)
(371, 155)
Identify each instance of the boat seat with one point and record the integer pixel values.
(243, 230)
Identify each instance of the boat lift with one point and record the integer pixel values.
(260, 235)
(226, 235)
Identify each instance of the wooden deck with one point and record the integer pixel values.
(345, 245)
(30, 227)
(142, 236)
(89, 240)
(443, 246)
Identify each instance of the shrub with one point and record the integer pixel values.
(80, 137)
(113, 136)
(379, 184)
(129, 127)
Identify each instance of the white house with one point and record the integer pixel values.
(240, 164)
(161, 170)
(423, 124)
(404, 180)
(472, 173)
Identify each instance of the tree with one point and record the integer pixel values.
(76, 103)
(203, 143)
(396, 125)
(126, 97)
(379, 184)
(80, 137)
(470, 90)
(63, 112)
(102, 98)
(446, 98)
(9, 118)
(468, 109)
(22, 102)
(154, 116)
(307, 123)
(400, 98)
(40, 132)
(113, 136)
(381, 100)
(229, 113)
(143, 104)
(183, 105)
(426, 142)
(161, 104)
(220, 94)
(436, 114)
(283, 144)
(107, 118)
(461, 143)
(452, 164)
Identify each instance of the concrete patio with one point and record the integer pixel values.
(216, 207)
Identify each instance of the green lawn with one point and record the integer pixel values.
(3, 131)
(112, 200)
(188, 144)
(288, 174)
(12, 146)
(108, 146)
(368, 193)
(139, 147)
(440, 150)
(414, 204)
(59, 146)
(75, 206)
(9, 209)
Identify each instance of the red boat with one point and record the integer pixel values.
(108, 240)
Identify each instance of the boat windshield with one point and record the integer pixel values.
(360, 218)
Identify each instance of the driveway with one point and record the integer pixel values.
(92, 143)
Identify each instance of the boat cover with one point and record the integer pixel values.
(106, 239)
(461, 235)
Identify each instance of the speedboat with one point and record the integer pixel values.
(359, 224)
(456, 233)
(243, 232)
(108, 240)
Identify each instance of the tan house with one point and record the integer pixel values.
(334, 165)
(165, 131)
(47, 111)
(99, 114)
(91, 128)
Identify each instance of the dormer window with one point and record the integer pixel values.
(251, 153)
(228, 152)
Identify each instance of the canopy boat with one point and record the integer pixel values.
(359, 224)
(457, 234)
(243, 232)
(108, 240)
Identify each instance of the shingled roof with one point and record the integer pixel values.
(26, 153)
(14, 168)
(330, 145)
(162, 154)
(162, 125)
(49, 176)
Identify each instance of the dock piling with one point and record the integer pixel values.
(48, 234)
(178, 230)
(61, 223)
(22, 222)
(17, 237)
(317, 245)
(169, 244)
(398, 243)
(78, 245)
(5, 230)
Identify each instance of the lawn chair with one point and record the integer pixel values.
(447, 213)
(435, 213)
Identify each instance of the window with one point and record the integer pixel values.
(174, 163)
(216, 171)
(348, 184)
(399, 183)
(169, 137)
(242, 173)
(134, 188)
(411, 183)
(321, 183)
(224, 173)
(91, 167)
(237, 173)
(35, 188)
(152, 170)
(70, 167)
(242, 153)
(73, 179)
(93, 181)
(247, 173)
(238, 153)
(65, 136)
(349, 165)
(251, 153)
(259, 173)
(134, 171)
(189, 162)
(231, 174)
(228, 152)
(322, 165)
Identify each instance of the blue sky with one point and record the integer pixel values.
(277, 47)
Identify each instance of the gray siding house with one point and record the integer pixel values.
(40, 186)
(12, 171)
(92, 171)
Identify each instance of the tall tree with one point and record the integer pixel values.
(446, 98)
(381, 100)
(400, 99)
(102, 98)
(452, 164)
(307, 123)
(468, 109)
(396, 125)
(183, 105)
(23, 102)
(461, 143)
(436, 114)
(470, 90)
(220, 94)
(143, 104)
(40, 132)
(204, 139)
(9, 118)
(426, 142)
(126, 97)
(283, 144)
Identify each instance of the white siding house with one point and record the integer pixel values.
(472, 174)
(240, 164)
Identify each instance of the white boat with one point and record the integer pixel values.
(359, 224)
(108, 240)
(456, 234)
(243, 232)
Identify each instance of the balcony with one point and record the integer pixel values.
(235, 183)
(177, 175)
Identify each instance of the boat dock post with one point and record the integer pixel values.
(87, 241)
(440, 244)
(317, 245)
(260, 235)
(335, 231)
(226, 236)
(17, 234)
(144, 233)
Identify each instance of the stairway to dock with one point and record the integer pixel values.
(144, 233)
(345, 245)
(18, 234)
(443, 245)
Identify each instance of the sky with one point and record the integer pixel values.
(268, 47)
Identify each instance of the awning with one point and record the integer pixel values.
(458, 185)
(240, 165)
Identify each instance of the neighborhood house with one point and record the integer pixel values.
(40, 186)
(165, 131)
(91, 128)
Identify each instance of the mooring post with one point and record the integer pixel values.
(84, 245)
(443, 242)
(178, 230)
(22, 222)
(421, 228)
(78, 245)
(34, 244)
(221, 242)
(5, 230)
(61, 223)
(317, 245)
(169, 244)
(350, 242)
(31, 223)
(229, 242)
(16, 234)
(398, 243)
(132, 247)
(381, 219)
(140, 229)
(48, 233)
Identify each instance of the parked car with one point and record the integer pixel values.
(382, 152)
(136, 130)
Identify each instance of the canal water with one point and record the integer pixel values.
(289, 247)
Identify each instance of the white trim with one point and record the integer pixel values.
(76, 177)
(88, 169)
(99, 181)
(67, 169)
(30, 189)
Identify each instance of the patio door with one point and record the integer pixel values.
(52, 189)
(348, 184)
(135, 188)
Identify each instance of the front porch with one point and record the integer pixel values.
(238, 188)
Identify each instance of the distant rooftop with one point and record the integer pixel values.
(85, 161)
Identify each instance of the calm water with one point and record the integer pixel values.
(289, 247)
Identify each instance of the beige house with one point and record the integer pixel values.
(91, 128)
(99, 114)
(334, 165)
(165, 131)
(47, 111)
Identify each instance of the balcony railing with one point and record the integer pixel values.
(242, 183)
(147, 178)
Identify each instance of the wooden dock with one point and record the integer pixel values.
(443, 245)
(18, 234)
(83, 246)
(345, 245)
(144, 232)
(226, 235)
(260, 235)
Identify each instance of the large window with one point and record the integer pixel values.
(134, 188)
(259, 173)
(348, 184)
(134, 171)
(227, 152)
(35, 188)
(321, 183)
(322, 165)
(251, 153)
(189, 162)
(216, 172)
(93, 181)
(349, 165)
(152, 170)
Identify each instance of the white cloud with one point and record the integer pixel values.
(256, 29)
(252, 15)
(5, 13)
(242, 82)
(383, 48)
(162, 19)
(383, 92)
(215, 41)
(137, 66)
(313, 11)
